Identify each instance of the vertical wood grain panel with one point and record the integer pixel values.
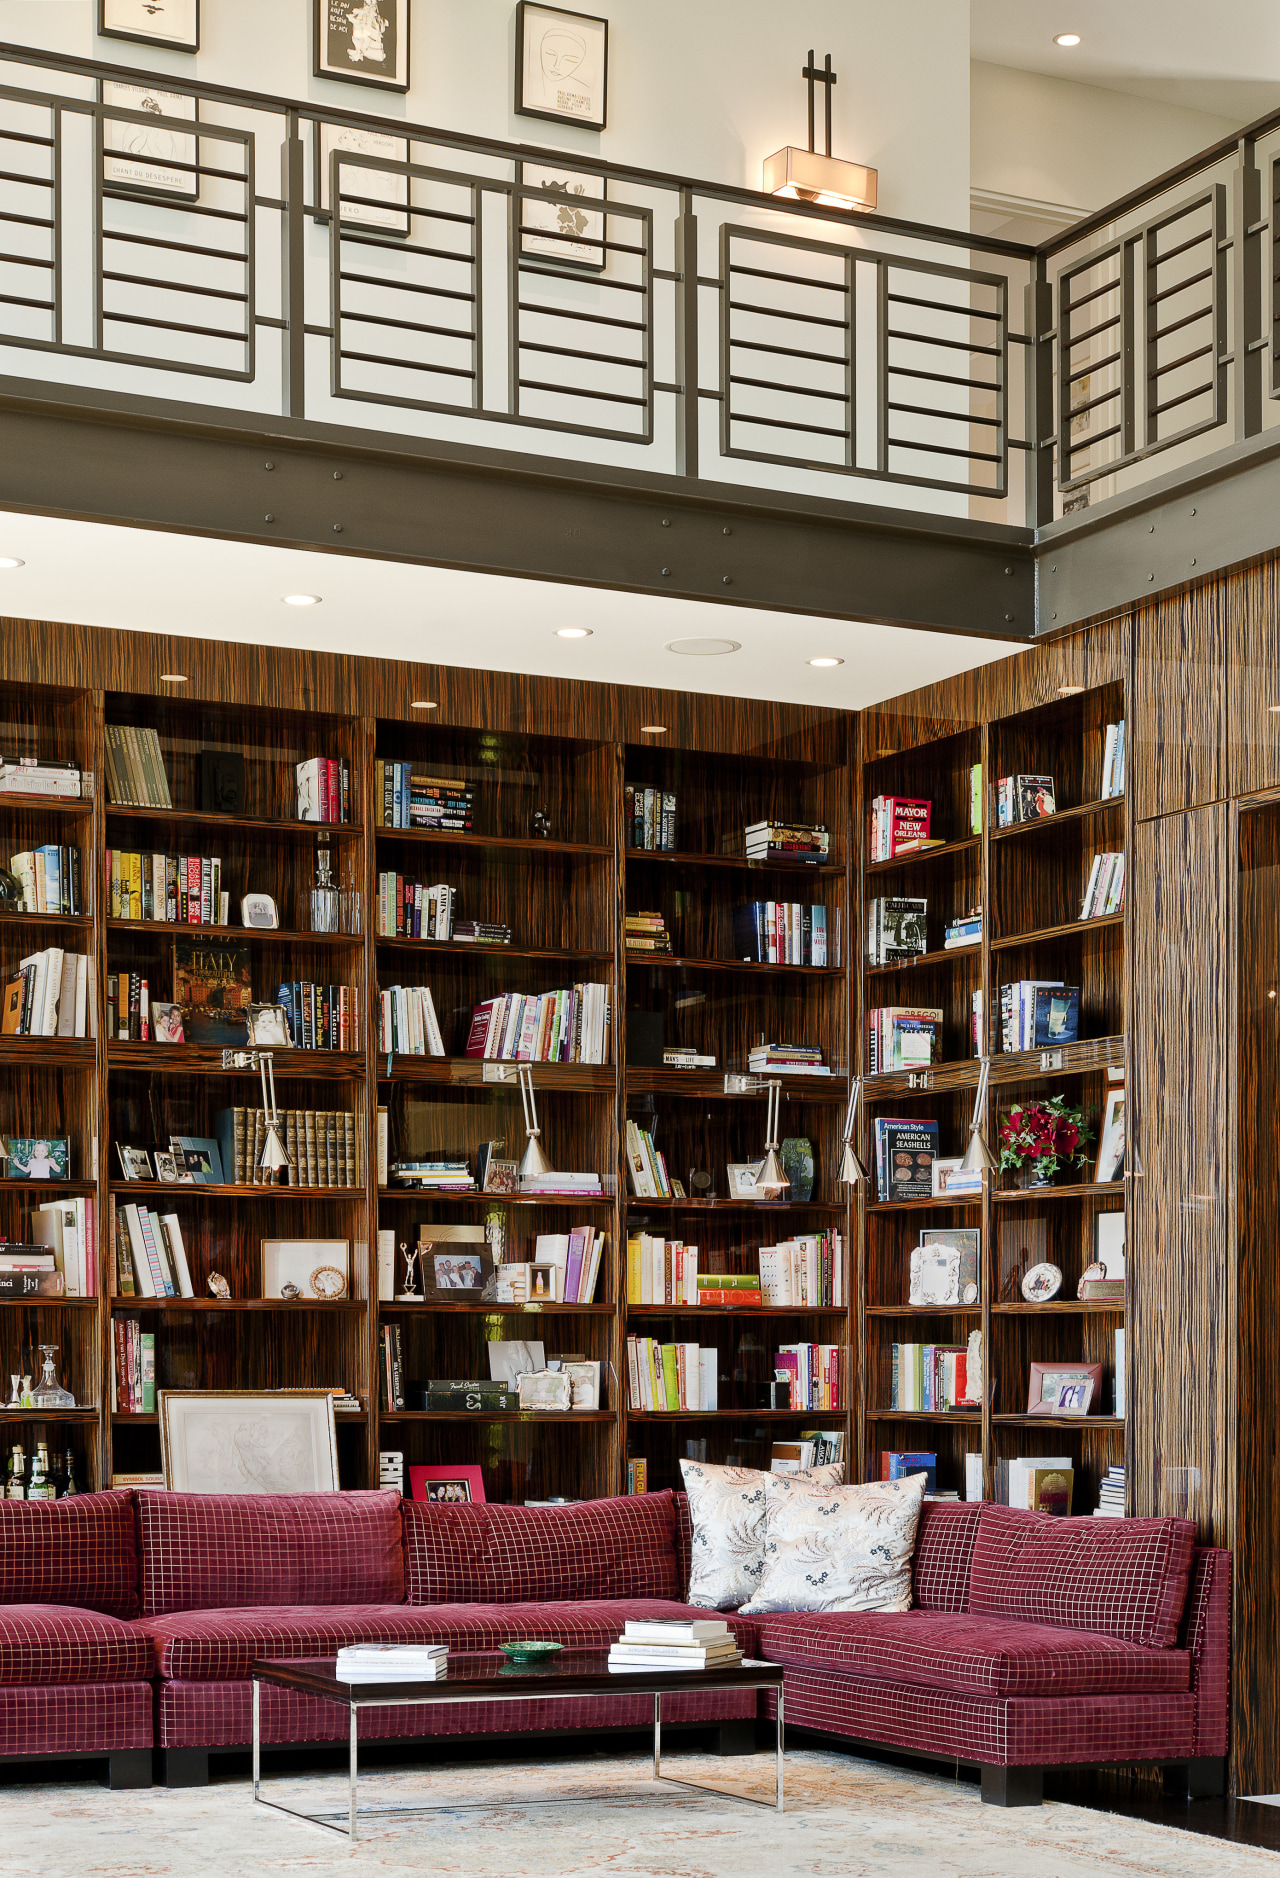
(1252, 630)
(1177, 738)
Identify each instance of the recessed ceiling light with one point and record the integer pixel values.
(422, 704)
(703, 648)
(573, 632)
(1066, 39)
(302, 599)
(653, 730)
(173, 678)
(826, 661)
(11, 560)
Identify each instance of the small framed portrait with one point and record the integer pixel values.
(544, 1285)
(172, 23)
(553, 224)
(1110, 1164)
(362, 42)
(456, 1273)
(447, 1486)
(166, 1023)
(941, 1173)
(269, 1027)
(562, 65)
(166, 1167)
(258, 911)
(149, 159)
(371, 198)
(502, 1177)
(1062, 1388)
(135, 1163)
(741, 1177)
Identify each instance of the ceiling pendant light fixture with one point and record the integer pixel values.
(816, 176)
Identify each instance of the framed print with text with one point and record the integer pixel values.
(562, 65)
(553, 226)
(370, 198)
(173, 23)
(149, 159)
(363, 42)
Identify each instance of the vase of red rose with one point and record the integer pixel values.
(1043, 1143)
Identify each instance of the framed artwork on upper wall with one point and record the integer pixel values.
(553, 225)
(172, 23)
(146, 159)
(363, 42)
(562, 65)
(371, 198)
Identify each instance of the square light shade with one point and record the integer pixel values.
(815, 178)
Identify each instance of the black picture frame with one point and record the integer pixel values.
(138, 36)
(533, 106)
(347, 75)
(551, 247)
(149, 182)
(397, 226)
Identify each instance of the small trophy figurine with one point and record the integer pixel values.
(26, 1400)
(15, 1398)
(410, 1294)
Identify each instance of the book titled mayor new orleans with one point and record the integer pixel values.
(211, 986)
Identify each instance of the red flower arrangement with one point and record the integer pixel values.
(1045, 1136)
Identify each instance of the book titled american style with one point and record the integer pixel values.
(212, 988)
(905, 1152)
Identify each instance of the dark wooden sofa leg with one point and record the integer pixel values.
(129, 1767)
(1201, 1779)
(1012, 1786)
(737, 1737)
(186, 1767)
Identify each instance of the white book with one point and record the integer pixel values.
(973, 1476)
(708, 1381)
(658, 1271)
(1020, 1472)
(1108, 762)
(435, 1041)
(1120, 1381)
(664, 1630)
(143, 1277)
(692, 1377)
(1094, 871)
(82, 995)
(591, 1270)
(47, 1230)
(386, 1264)
(181, 1270)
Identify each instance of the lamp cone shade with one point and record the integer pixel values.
(274, 1153)
(852, 1172)
(771, 1178)
(535, 1161)
(977, 1155)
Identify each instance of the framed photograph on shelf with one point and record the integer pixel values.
(175, 23)
(135, 1163)
(149, 159)
(371, 198)
(553, 225)
(1110, 1164)
(248, 1441)
(1062, 1388)
(269, 1027)
(166, 1167)
(562, 65)
(38, 1157)
(741, 1176)
(166, 1023)
(362, 42)
(455, 1273)
(316, 1269)
(544, 1282)
(447, 1486)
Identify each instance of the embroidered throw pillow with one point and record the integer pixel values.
(845, 1549)
(728, 1509)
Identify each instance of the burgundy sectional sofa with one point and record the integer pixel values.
(131, 1619)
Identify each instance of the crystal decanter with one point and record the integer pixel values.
(48, 1392)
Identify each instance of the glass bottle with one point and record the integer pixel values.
(324, 895)
(40, 1486)
(70, 1483)
(48, 1392)
(15, 1486)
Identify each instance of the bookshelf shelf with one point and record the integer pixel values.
(927, 857)
(667, 962)
(497, 844)
(299, 1306)
(419, 1196)
(1087, 1423)
(181, 1059)
(748, 1311)
(735, 1415)
(51, 1189)
(733, 863)
(395, 1307)
(263, 826)
(465, 949)
(942, 955)
(1067, 929)
(182, 1193)
(82, 1416)
(122, 1418)
(49, 1304)
(1107, 807)
(1064, 1307)
(70, 806)
(252, 935)
(527, 1417)
(758, 1209)
(966, 1418)
(65, 922)
(966, 1205)
(49, 1052)
(708, 1085)
(1084, 1190)
(468, 1072)
(926, 1310)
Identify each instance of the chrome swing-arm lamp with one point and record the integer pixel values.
(852, 1172)
(772, 1178)
(535, 1161)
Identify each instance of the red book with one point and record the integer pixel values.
(908, 821)
(334, 798)
(193, 890)
(479, 1034)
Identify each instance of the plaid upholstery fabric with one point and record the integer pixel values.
(1122, 1577)
(982, 1656)
(619, 1548)
(219, 1714)
(218, 1646)
(1206, 1634)
(1084, 1729)
(207, 1551)
(80, 1552)
(43, 1644)
(944, 1552)
(76, 1718)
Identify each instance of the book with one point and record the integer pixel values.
(896, 930)
(898, 820)
(906, 1149)
(212, 986)
(691, 1631)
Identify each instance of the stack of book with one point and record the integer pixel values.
(128, 1007)
(816, 1447)
(1105, 891)
(676, 1058)
(964, 930)
(133, 1361)
(38, 776)
(900, 825)
(790, 1059)
(1023, 799)
(51, 996)
(651, 1643)
(807, 1271)
(665, 1377)
(732, 1291)
(324, 789)
(896, 931)
(1041, 1482)
(392, 1662)
(49, 878)
(901, 1466)
(661, 1271)
(1039, 1014)
(781, 932)
(151, 1259)
(559, 1184)
(406, 795)
(906, 1149)
(409, 909)
(816, 1372)
(407, 1022)
(929, 1378)
(180, 889)
(321, 1017)
(806, 843)
(1112, 761)
(434, 1176)
(568, 1026)
(29, 1271)
(902, 1037)
(321, 1145)
(135, 767)
(65, 1232)
(576, 1256)
(646, 933)
(646, 1165)
(446, 1396)
(1111, 1495)
(649, 816)
(480, 932)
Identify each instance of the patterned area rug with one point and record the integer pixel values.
(844, 1817)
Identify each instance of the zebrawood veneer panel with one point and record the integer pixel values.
(1178, 735)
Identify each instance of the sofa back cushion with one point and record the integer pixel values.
(214, 1551)
(944, 1555)
(82, 1552)
(620, 1548)
(1122, 1578)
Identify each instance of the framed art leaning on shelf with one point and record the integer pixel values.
(246, 1441)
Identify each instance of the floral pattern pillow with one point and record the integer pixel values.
(843, 1549)
(728, 1509)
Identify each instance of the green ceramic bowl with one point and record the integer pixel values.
(527, 1651)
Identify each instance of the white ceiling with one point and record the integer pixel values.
(127, 578)
(1222, 57)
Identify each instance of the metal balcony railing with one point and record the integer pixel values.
(608, 313)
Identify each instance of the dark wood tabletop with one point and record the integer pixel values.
(472, 1674)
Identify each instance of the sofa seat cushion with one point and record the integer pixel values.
(82, 1551)
(982, 1656)
(618, 1548)
(212, 1551)
(218, 1646)
(46, 1644)
(1126, 1578)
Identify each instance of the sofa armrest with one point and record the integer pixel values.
(1206, 1633)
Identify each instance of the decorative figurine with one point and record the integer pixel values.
(289, 1293)
(410, 1294)
(26, 1400)
(15, 1396)
(219, 1286)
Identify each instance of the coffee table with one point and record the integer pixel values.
(486, 1676)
